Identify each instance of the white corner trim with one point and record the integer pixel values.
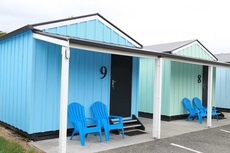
(186, 46)
(85, 19)
(51, 40)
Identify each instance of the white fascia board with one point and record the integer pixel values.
(51, 40)
(193, 43)
(189, 62)
(109, 51)
(84, 19)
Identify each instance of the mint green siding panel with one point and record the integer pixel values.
(146, 75)
(183, 84)
(146, 85)
(166, 83)
(222, 87)
(91, 30)
(214, 87)
(194, 51)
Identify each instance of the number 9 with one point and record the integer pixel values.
(103, 71)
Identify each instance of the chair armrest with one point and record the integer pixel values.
(95, 119)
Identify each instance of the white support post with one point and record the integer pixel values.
(64, 99)
(209, 107)
(157, 99)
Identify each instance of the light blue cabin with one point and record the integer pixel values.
(179, 80)
(30, 73)
(223, 83)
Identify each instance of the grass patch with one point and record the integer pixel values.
(11, 147)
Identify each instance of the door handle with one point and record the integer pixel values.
(113, 83)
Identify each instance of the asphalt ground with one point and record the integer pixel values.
(213, 140)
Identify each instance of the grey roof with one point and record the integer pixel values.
(223, 57)
(169, 47)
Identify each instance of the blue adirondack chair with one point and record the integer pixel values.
(203, 109)
(100, 111)
(76, 115)
(193, 113)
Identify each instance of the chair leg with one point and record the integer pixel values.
(200, 118)
(82, 139)
(188, 118)
(72, 135)
(100, 136)
(122, 132)
(107, 135)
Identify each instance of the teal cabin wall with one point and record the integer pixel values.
(222, 87)
(166, 83)
(195, 51)
(179, 80)
(146, 85)
(16, 84)
(183, 84)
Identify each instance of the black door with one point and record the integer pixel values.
(121, 85)
(205, 85)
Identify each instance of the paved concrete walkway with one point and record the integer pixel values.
(92, 144)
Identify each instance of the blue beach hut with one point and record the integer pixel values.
(35, 74)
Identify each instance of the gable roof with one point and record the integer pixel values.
(168, 47)
(223, 57)
(66, 21)
(177, 46)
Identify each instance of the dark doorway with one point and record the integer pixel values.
(205, 85)
(121, 85)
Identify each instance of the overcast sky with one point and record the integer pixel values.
(147, 21)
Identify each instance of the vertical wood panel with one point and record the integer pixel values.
(14, 86)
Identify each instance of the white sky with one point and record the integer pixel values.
(147, 21)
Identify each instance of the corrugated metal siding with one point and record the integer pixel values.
(214, 87)
(222, 87)
(85, 85)
(166, 83)
(15, 88)
(135, 85)
(146, 82)
(46, 101)
(194, 51)
(92, 30)
(183, 84)
(146, 86)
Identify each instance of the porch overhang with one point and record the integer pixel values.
(70, 42)
(120, 50)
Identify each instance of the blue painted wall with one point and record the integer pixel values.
(85, 85)
(92, 30)
(222, 87)
(16, 67)
(30, 75)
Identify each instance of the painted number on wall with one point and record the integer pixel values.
(199, 78)
(103, 71)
